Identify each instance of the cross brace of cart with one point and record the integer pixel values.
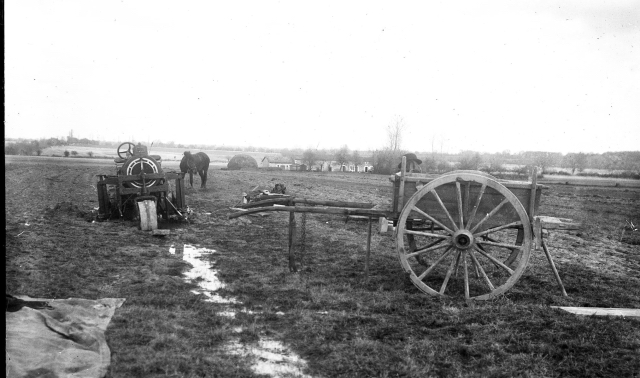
(463, 233)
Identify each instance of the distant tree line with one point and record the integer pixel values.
(386, 159)
(35, 147)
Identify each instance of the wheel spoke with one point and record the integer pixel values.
(449, 271)
(432, 219)
(467, 190)
(495, 229)
(477, 204)
(432, 244)
(494, 260)
(460, 215)
(484, 274)
(466, 275)
(429, 234)
(475, 268)
(492, 213)
(504, 245)
(426, 249)
(455, 227)
(444, 255)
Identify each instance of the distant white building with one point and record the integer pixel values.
(333, 166)
(278, 162)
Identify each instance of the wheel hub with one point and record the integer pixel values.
(463, 239)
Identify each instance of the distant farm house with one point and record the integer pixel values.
(277, 162)
(326, 165)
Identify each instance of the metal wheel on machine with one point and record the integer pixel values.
(464, 208)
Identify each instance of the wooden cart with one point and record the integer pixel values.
(461, 233)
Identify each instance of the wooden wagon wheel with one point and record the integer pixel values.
(502, 236)
(475, 206)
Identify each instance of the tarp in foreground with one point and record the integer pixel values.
(65, 341)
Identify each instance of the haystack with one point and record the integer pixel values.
(242, 161)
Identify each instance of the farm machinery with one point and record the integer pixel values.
(140, 188)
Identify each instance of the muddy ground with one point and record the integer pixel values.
(338, 323)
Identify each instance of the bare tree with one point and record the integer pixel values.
(394, 133)
(356, 159)
(309, 157)
(544, 160)
(342, 156)
(575, 161)
(470, 161)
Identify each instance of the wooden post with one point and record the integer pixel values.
(119, 195)
(366, 261)
(292, 239)
(103, 199)
(534, 187)
(180, 197)
(553, 267)
(403, 167)
(537, 233)
(165, 198)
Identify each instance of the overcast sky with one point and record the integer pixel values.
(558, 76)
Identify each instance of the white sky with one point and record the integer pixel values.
(487, 76)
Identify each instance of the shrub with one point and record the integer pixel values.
(90, 153)
(493, 167)
(242, 161)
(66, 153)
(522, 170)
(74, 153)
(444, 166)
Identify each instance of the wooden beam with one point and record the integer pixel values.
(403, 167)
(532, 199)
(357, 205)
(307, 201)
(315, 210)
(271, 201)
(366, 262)
(422, 178)
(292, 239)
(600, 311)
(553, 267)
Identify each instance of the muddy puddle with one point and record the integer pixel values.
(270, 357)
(202, 272)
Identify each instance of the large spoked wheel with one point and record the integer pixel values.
(464, 234)
(125, 150)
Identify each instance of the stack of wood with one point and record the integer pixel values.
(256, 194)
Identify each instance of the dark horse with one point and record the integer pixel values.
(198, 162)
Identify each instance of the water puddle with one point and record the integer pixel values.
(270, 356)
(202, 272)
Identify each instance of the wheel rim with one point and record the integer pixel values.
(473, 220)
(138, 165)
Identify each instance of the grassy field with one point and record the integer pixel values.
(338, 323)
